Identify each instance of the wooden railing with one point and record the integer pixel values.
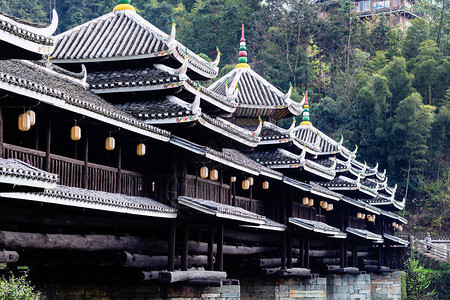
(206, 189)
(70, 171)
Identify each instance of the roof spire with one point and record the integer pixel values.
(124, 5)
(242, 61)
(306, 112)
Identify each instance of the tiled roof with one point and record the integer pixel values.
(222, 210)
(313, 139)
(320, 167)
(32, 32)
(395, 239)
(121, 34)
(365, 234)
(277, 157)
(130, 78)
(271, 133)
(324, 192)
(229, 129)
(111, 35)
(338, 182)
(244, 159)
(205, 93)
(13, 169)
(316, 226)
(31, 77)
(152, 110)
(113, 202)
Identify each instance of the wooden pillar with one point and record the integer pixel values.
(233, 188)
(355, 255)
(171, 246)
(342, 217)
(345, 254)
(183, 170)
(2, 155)
(173, 182)
(289, 251)
(251, 196)
(302, 252)
(86, 159)
(342, 256)
(283, 252)
(380, 256)
(307, 246)
(119, 167)
(220, 247)
(210, 247)
(184, 249)
(49, 142)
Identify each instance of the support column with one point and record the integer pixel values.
(355, 255)
(2, 155)
(210, 247)
(302, 253)
(171, 246)
(119, 167)
(220, 247)
(283, 252)
(183, 170)
(184, 249)
(307, 246)
(86, 158)
(49, 142)
(342, 255)
(233, 188)
(289, 251)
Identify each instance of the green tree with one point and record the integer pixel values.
(417, 33)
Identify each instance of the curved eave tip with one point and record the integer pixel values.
(242, 65)
(306, 123)
(124, 7)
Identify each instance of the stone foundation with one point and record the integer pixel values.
(333, 287)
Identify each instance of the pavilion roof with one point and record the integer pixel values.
(271, 134)
(318, 227)
(123, 35)
(277, 158)
(256, 96)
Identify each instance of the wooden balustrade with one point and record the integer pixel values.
(70, 171)
(206, 189)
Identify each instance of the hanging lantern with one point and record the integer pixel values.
(110, 143)
(204, 172)
(32, 116)
(393, 224)
(320, 203)
(400, 228)
(75, 133)
(153, 186)
(24, 122)
(305, 201)
(213, 174)
(363, 216)
(250, 180)
(373, 218)
(140, 149)
(330, 207)
(233, 179)
(359, 215)
(245, 184)
(369, 218)
(265, 185)
(311, 202)
(324, 204)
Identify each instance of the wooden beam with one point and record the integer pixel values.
(9, 256)
(119, 166)
(133, 260)
(178, 276)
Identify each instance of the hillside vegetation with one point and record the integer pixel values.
(383, 89)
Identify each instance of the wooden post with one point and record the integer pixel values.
(283, 252)
(345, 254)
(342, 258)
(183, 170)
(355, 255)
(210, 247)
(119, 167)
(184, 249)
(220, 247)
(86, 159)
(233, 187)
(49, 142)
(307, 246)
(2, 155)
(171, 246)
(380, 256)
(173, 186)
(302, 252)
(289, 251)
(251, 196)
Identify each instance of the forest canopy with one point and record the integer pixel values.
(382, 88)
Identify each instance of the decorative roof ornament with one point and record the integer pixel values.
(232, 90)
(333, 167)
(216, 62)
(124, 5)
(288, 94)
(258, 130)
(341, 141)
(172, 35)
(353, 153)
(242, 61)
(375, 168)
(181, 72)
(306, 112)
(302, 156)
(291, 129)
(194, 107)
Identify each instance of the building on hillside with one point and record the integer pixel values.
(118, 166)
